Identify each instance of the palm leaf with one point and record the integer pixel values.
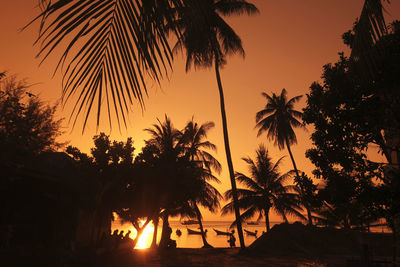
(115, 44)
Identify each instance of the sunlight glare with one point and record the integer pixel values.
(146, 238)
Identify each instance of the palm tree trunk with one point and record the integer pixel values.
(203, 234)
(155, 223)
(298, 176)
(228, 156)
(267, 219)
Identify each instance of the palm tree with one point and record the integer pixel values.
(369, 29)
(165, 141)
(182, 157)
(207, 40)
(195, 144)
(278, 119)
(265, 190)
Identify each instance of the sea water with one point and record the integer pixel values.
(192, 240)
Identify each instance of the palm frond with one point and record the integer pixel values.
(115, 44)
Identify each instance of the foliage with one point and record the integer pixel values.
(265, 190)
(205, 36)
(28, 126)
(350, 114)
(307, 191)
(107, 172)
(278, 119)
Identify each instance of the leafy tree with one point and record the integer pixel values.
(265, 190)
(208, 40)
(27, 125)
(350, 114)
(108, 170)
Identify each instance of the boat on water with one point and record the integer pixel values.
(252, 223)
(250, 232)
(188, 222)
(194, 232)
(222, 232)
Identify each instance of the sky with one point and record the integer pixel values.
(286, 46)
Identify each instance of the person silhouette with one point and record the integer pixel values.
(232, 241)
(126, 236)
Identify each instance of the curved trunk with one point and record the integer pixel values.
(297, 174)
(203, 234)
(155, 223)
(228, 156)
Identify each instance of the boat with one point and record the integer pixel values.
(252, 223)
(188, 222)
(222, 232)
(250, 232)
(194, 232)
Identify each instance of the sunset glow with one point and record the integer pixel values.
(146, 237)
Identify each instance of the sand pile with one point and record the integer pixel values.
(300, 240)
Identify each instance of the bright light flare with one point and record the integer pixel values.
(146, 238)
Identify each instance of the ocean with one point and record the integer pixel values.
(189, 240)
(195, 241)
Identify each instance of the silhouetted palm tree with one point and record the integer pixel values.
(195, 144)
(207, 40)
(165, 141)
(265, 190)
(369, 28)
(182, 157)
(278, 119)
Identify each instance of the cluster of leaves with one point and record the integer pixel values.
(350, 113)
(27, 125)
(265, 190)
(170, 175)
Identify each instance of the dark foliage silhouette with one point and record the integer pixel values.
(278, 119)
(265, 190)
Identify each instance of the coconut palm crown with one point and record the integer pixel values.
(278, 119)
(264, 190)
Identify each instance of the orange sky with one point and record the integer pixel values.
(286, 46)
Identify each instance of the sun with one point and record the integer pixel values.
(146, 238)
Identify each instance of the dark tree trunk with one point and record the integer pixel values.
(298, 176)
(203, 234)
(266, 211)
(165, 234)
(154, 241)
(139, 231)
(228, 156)
(394, 230)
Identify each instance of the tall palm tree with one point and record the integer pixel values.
(278, 119)
(208, 40)
(265, 190)
(195, 147)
